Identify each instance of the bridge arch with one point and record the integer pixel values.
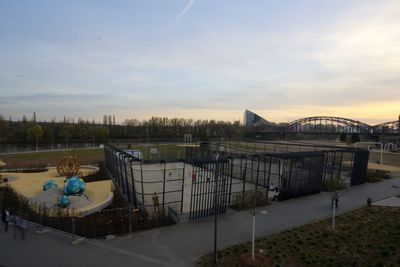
(390, 127)
(328, 124)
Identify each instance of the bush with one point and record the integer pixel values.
(332, 185)
(354, 138)
(26, 168)
(343, 137)
(247, 201)
(100, 175)
(374, 175)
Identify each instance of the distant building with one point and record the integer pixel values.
(251, 119)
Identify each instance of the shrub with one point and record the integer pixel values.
(331, 185)
(354, 138)
(374, 175)
(249, 199)
(343, 137)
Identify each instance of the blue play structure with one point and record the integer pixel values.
(49, 184)
(74, 186)
(64, 201)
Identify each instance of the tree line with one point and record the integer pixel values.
(34, 132)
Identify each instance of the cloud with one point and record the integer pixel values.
(143, 58)
(319, 66)
(185, 10)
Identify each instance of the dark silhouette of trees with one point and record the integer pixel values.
(355, 137)
(156, 128)
(343, 137)
(3, 129)
(66, 132)
(35, 133)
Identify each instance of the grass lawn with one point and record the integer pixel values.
(392, 159)
(85, 156)
(369, 236)
(90, 156)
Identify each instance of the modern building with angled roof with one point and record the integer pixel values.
(251, 119)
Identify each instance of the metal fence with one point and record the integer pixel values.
(301, 174)
(97, 225)
(340, 166)
(190, 186)
(211, 187)
(151, 186)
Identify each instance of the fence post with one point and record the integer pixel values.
(183, 186)
(73, 225)
(163, 196)
(40, 214)
(130, 219)
(1, 200)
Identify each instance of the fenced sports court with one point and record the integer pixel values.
(213, 177)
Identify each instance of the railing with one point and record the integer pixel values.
(98, 225)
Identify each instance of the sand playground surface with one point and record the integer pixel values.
(97, 196)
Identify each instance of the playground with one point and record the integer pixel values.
(97, 196)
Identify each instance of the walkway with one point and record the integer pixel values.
(181, 245)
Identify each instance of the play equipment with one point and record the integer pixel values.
(64, 201)
(49, 184)
(74, 186)
(68, 167)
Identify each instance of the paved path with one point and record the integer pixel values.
(389, 202)
(180, 245)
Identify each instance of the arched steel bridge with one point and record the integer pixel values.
(328, 124)
(390, 127)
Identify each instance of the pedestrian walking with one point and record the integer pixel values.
(276, 194)
(5, 217)
(336, 198)
(156, 203)
(272, 187)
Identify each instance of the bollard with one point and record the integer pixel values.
(369, 201)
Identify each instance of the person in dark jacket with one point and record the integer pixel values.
(5, 217)
(336, 198)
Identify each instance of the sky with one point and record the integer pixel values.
(200, 59)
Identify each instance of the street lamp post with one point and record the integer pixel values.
(333, 215)
(216, 210)
(253, 233)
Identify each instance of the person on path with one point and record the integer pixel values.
(156, 203)
(336, 198)
(272, 187)
(5, 217)
(276, 194)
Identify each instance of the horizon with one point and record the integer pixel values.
(115, 121)
(200, 59)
